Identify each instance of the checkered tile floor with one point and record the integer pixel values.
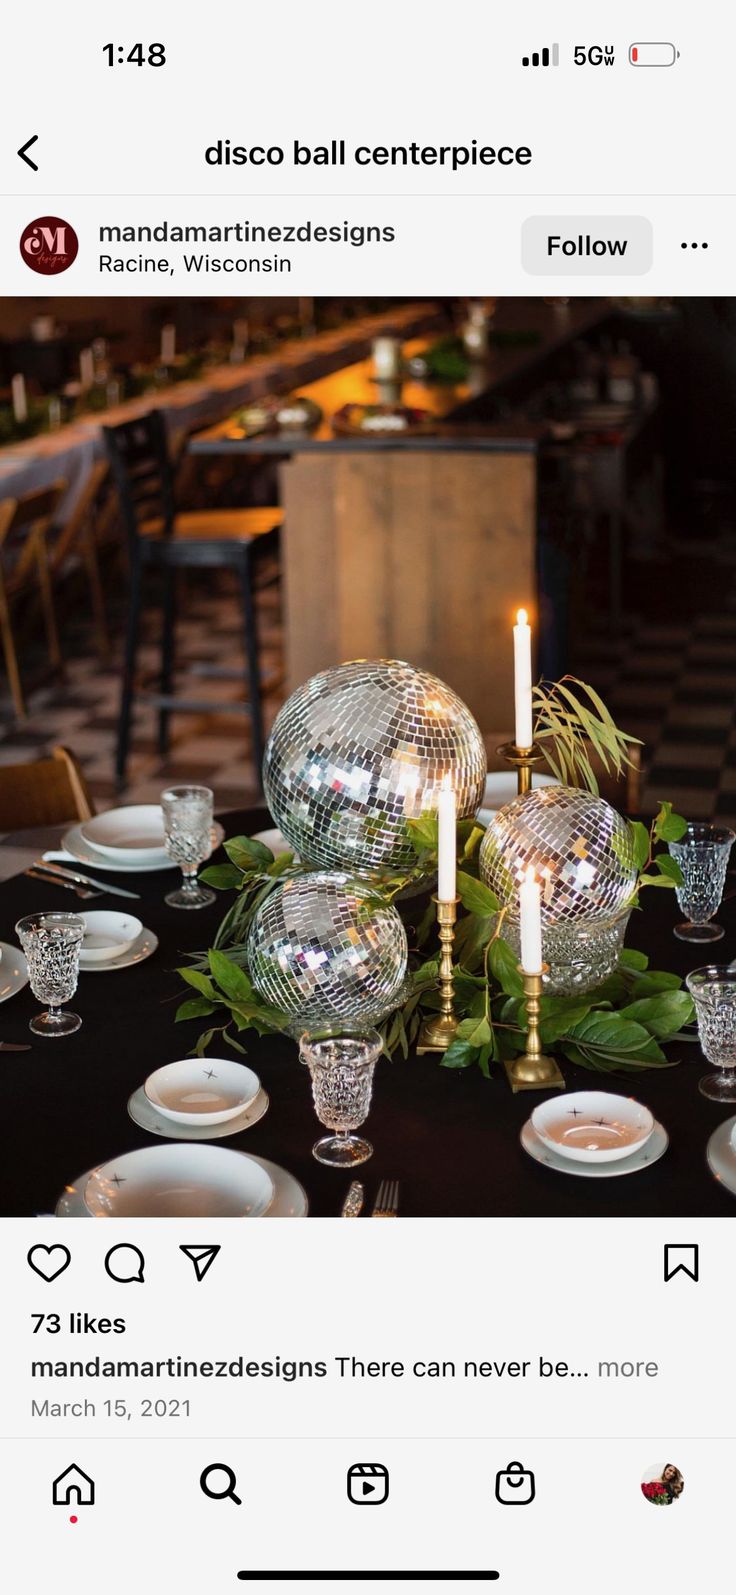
(81, 710)
(672, 683)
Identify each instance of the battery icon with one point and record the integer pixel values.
(653, 54)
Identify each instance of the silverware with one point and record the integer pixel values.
(386, 1204)
(15, 1046)
(353, 1204)
(83, 880)
(50, 879)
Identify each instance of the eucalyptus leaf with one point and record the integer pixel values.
(247, 854)
(230, 977)
(669, 827)
(224, 877)
(200, 982)
(194, 1008)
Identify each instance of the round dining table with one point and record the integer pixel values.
(450, 1137)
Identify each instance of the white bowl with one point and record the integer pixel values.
(180, 1181)
(593, 1126)
(108, 935)
(135, 831)
(202, 1090)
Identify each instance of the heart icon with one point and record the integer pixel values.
(49, 1261)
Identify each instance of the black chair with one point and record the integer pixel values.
(164, 540)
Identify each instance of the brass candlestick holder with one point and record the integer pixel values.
(437, 1033)
(522, 760)
(533, 1070)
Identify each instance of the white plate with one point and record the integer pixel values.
(202, 1090)
(274, 839)
(142, 948)
(179, 1181)
(108, 935)
(592, 1126)
(131, 835)
(721, 1155)
(142, 1113)
(13, 971)
(73, 842)
(289, 1200)
(501, 789)
(655, 1148)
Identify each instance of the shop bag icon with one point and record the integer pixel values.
(515, 1486)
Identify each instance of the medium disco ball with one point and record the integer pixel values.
(581, 852)
(319, 950)
(359, 750)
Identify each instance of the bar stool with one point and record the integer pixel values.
(164, 540)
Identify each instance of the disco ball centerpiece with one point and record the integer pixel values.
(320, 950)
(359, 750)
(581, 852)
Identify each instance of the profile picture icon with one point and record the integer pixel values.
(662, 1484)
(49, 245)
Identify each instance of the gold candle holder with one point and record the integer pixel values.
(522, 760)
(533, 1070)
(437, 1033)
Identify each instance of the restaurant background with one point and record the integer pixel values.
(411, 472)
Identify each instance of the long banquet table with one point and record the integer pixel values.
(451, 1138)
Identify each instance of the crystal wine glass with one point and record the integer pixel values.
(52, 944)
(341, 1064)
(713, 990)
(702, 855)
(188, 830)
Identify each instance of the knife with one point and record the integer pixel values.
(352, 1206)
(83, 880)
(15, 1046)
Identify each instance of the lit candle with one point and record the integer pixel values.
(168, 344)
(86, 368)
(20, 401)
(523, 681)
(531, 924)
(446, 843)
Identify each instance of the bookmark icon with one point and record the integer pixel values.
(201, 1257)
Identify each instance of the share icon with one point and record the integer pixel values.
(202, 1257)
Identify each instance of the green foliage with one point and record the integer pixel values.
(568, 724)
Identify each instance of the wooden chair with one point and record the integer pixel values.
(78, 538)
(47, 792)
(164, 540)
(24, 567)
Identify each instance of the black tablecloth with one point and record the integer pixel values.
(450, 1137)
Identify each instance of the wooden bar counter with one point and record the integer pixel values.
(418, 546)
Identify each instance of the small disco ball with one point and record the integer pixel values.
(359, 750)
(319, 950)
(581, 852)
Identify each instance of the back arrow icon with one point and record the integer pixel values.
(27, 158)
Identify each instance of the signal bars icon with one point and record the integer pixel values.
(549, 56)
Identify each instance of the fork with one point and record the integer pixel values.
(55, 880)
(386, 1204)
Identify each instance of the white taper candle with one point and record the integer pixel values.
(530, 907)
(523, 681)
(446, 843)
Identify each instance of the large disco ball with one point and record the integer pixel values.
(581, 852)
(320, 950)
(359, 750)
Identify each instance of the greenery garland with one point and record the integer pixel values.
(623, 1025)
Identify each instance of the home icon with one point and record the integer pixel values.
(74, 1487)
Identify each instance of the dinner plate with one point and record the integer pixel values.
(143, 1113)
(134, 834)
(289, 1198)
(501, 789)
(73, 842)
(592, 1126)
(13, 971)
(179, 1181)
(721, 1155)
(202, 1091)
(274, 839)
(654, 1149)
(143, 947)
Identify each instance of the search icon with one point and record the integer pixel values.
(220, 1491)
